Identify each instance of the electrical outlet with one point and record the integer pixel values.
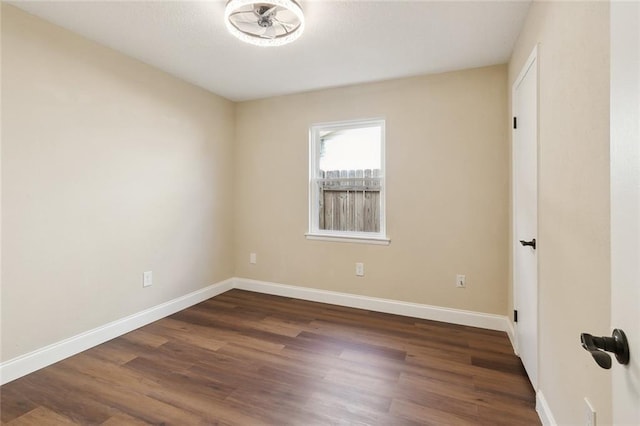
(589, 414)
(147, 279)
(461, 281)
(253, 258)
(360, 269)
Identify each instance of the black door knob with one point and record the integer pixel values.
(616, 344)
(531, 243)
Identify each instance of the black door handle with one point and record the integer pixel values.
(617, 344)
(531, 243)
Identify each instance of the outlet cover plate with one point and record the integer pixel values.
(147, 279)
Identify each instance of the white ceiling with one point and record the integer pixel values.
(345, 42)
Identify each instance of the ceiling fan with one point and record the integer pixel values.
(267, 23)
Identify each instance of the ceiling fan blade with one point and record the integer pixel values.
(269, 11)
(241, 17)
(285, 25)
(246, 27)
(269, 32)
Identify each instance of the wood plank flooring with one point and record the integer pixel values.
(245, 358)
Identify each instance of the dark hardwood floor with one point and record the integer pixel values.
(248, 359)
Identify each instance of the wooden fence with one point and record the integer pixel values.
(350, 200)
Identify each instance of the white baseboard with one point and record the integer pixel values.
(40, 358)
(543, 410)
(435, 313)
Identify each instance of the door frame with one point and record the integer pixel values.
(625, 203)
(532, 60)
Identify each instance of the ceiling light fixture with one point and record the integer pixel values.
(268, 23)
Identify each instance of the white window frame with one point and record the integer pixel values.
(315, 233)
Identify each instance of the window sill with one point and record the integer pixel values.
(349, 239)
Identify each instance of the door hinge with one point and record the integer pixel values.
(515, 122)
(515, 315)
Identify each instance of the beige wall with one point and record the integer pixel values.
(447, 190)
(109, 168)
(573, 211)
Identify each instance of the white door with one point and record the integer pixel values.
(625, 205)
(525, 214)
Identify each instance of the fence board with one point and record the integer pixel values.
(350, 200)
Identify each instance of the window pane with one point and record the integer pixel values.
(350, 149)
(350, 178)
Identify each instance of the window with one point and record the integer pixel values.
(347, 181)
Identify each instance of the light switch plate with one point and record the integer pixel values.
(589, 414)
